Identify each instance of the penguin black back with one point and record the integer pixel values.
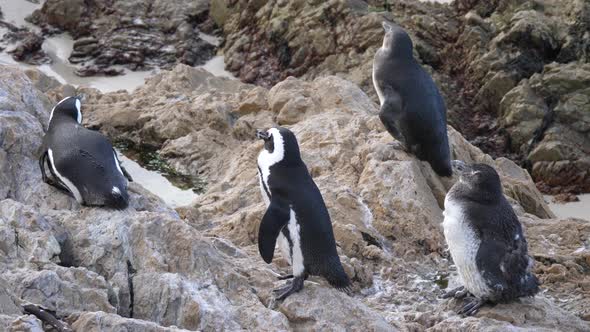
(412, 109)
(82, 162)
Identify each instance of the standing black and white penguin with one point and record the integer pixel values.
(412, 108)
(485, 240)
(296, 215)
(82, 162)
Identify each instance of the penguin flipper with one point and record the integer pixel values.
(48, 180)
(276, 217)
(390, 113)
(506, 268)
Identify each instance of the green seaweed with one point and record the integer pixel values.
(442, 280)
(149, 158)
(386, 7)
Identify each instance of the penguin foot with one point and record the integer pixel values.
(458, 293)
(289, 288)
(285, 277)
(347, 290)
(472, 307)
(397, 145)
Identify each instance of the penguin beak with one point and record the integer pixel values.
(262, 134)
(459, 167)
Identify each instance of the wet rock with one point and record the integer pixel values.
(29, 51)
(94, 70)
(565, 198)
(134, 34)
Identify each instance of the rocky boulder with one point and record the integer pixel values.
(136, 34)
(386, 206)
(23, 44)
(477, 52)
(139, 269)
(548, 117)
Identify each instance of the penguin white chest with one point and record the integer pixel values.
(377, 87)
(296, 253)
(463, 244)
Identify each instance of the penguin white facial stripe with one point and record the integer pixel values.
(266, 159)
(463, 245)
(53, 109)
(78, 107)
(71, 187)
(297, 255)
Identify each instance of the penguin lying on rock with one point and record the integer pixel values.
(82, 162)
(296, 216)
(485, 240)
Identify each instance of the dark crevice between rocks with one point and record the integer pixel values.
(66, 254)
(539, 133)
(16, 240)
(130, 274)
(371, 240)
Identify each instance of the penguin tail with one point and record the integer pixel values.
(441, 167)
(530, 285)
(118, 199)
(336, 277)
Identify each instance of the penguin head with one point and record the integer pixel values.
(396, 41)
(67, 109)
(280, 147)
(478, 177)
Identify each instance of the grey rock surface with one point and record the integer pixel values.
(151, 268)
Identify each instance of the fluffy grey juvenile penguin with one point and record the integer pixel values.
(412, 109)
(82, 162)
(485, 240)
(296, 215)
